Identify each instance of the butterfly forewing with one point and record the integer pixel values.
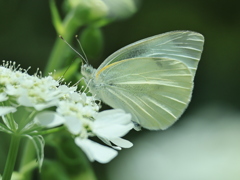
(184, 46)
(154, 90)
(152, 78)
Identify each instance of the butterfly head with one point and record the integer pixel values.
(87, 72)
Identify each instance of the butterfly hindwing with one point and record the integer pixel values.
(154, 90)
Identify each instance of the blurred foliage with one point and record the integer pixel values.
(63, 160)
(27, 36)
(92, 41)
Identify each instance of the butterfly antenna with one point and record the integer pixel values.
(74, 50)
(76, 36)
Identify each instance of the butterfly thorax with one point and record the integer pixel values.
(88, 73)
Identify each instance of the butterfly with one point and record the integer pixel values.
(152, 78)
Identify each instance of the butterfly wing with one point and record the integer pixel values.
(155, 91)
(184, 46)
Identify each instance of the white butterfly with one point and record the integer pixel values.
(152, 78)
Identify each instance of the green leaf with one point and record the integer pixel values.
(9, 122)
(57, 22)
(39, 143)
(4, 128)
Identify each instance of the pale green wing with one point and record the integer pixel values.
(184, 46)
(155, 91)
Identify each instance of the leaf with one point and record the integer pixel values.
(4, 128)
(56, 19)
(10, 123)
(39, 143)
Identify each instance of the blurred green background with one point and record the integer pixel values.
(27, 37)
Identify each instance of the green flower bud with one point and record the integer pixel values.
(88, 11)
(119, 9)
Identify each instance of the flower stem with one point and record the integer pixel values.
(12, 155)
(29, 154)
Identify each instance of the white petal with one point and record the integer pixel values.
(112, 123)
(113, 116)
(106, 141)
(45, 105)
(113, 131)
(49, 119)
(122, 142)
(7, 109)
(73, 124)
(3, 97)
(25, 100)
(11, 90)
(95, 151)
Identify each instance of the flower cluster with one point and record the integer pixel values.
(30, 104)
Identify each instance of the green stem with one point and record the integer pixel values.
(48, 131)
(29, 154)
(12, 156)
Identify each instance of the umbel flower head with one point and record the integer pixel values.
(31, 104)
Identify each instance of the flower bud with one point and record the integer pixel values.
(88, 10)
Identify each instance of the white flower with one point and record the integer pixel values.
(112, 124)
(29, 91)
(79, 113)
(109, 126)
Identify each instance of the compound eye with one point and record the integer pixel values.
(89, 69)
